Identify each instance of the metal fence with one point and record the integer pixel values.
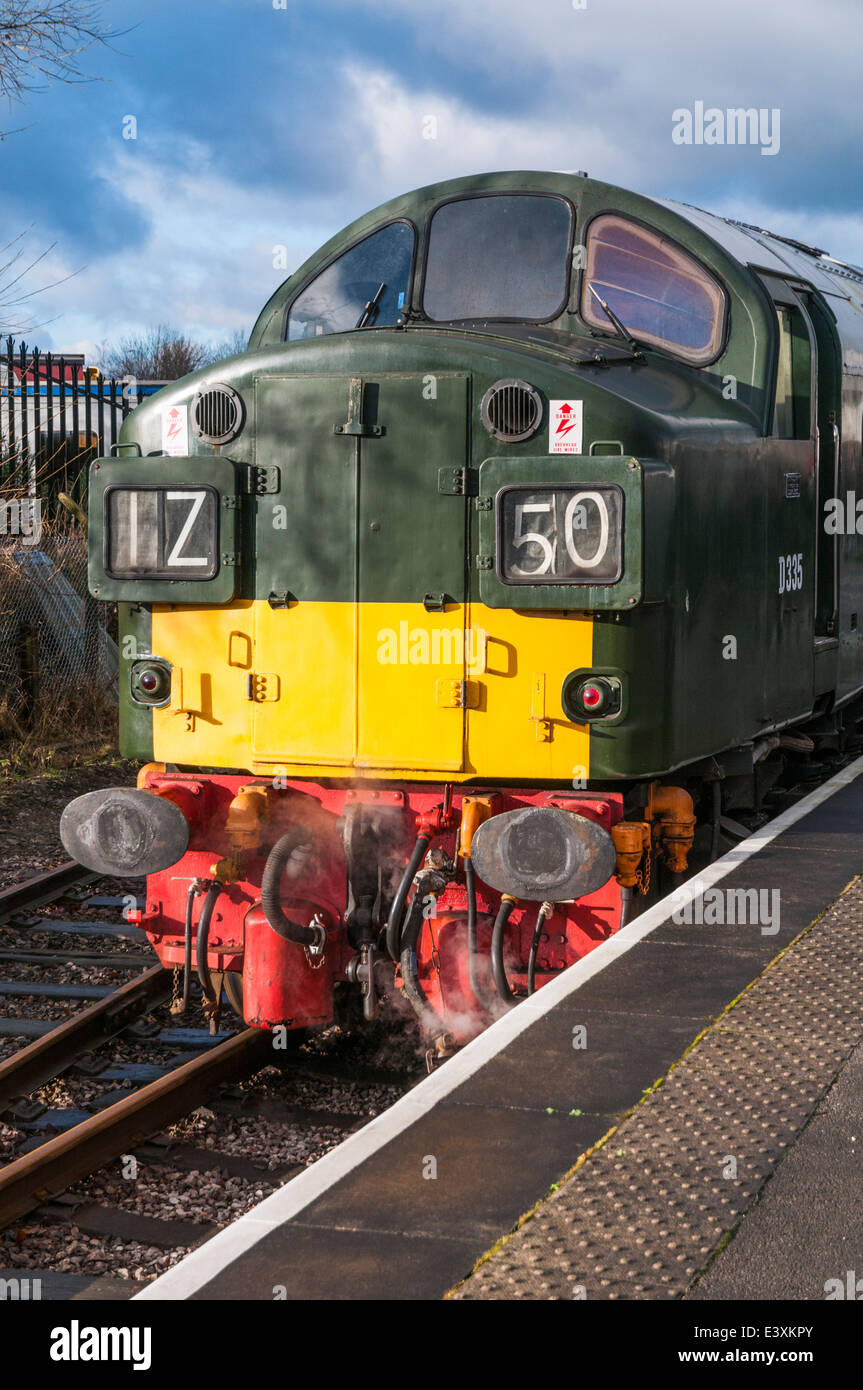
(56, 415)
(58, 662)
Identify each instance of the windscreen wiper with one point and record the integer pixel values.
(637, 354)
(370, 309)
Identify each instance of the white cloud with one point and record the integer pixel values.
(418, 135)
(206, 266)
(643, 49)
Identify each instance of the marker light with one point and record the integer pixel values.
(150, 682)
(585, 697)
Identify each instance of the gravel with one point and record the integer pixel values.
(30, 811)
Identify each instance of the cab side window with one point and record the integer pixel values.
(791, 414)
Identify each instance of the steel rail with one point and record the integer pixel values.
(50, 1055)
(42, 888)
(28, 1181)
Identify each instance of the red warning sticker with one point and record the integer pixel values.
(175, 431)
(565, 427)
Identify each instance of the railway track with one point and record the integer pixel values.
(41, 889)
(83, 1147)
(61, 1161)
(80, 1147)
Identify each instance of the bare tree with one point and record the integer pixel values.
(231, 346)
(15, 297)
(42, 43)
(161, 354)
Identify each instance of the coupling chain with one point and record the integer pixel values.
(175, 1005)
(642, 875)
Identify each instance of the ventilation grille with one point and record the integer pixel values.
(217, 414)
(511, 410)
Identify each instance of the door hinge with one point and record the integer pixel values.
(484, 504)
(354, 424)
(458, 482)
(457, 694)
(260, 480)
(262, 687)
(485, 562)
(229, 560)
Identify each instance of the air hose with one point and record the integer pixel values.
(501, 983)
(193, 892)
(294, 839)
(211, 893)
(544, 912)
(472, 947)
(394, 924)
(431, 880)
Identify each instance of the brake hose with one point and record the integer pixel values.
(501, 983)
(394, 924)
(193, 892)
(292, 840)
(472, 948)
(434, 881)
(211, 893)
(543, 913)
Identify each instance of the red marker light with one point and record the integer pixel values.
(585, 698)
(149, 681)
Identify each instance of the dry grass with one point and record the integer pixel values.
(45, 744)
(48, 718)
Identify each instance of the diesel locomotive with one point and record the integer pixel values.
(460, 610)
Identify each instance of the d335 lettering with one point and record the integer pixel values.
(790, 573)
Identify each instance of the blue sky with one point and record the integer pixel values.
(260, 127)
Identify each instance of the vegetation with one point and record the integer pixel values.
(163, 354)
(54, 713)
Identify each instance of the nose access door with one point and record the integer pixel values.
(359, 653)
(411, 586)
(301, 676)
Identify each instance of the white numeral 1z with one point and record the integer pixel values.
(197, 501)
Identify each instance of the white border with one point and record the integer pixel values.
(203, 1264)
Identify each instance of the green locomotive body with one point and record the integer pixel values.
(525, 484)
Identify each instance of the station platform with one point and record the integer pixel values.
(673, 1117)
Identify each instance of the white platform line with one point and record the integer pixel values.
(203, 1264)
